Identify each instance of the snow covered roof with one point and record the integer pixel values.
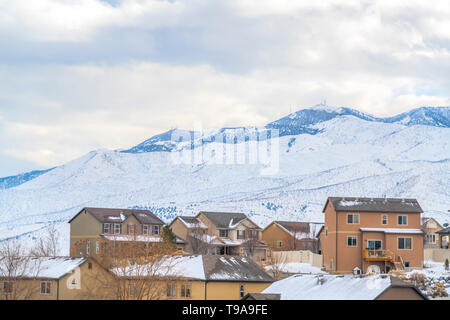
(333, 287)
(42, 267)
(393, 230)
(119, 215)
(202, 267)
(301, 230)
(374, 205)
(192, 222)
(444, 231)
(225, 220)
(138, 238)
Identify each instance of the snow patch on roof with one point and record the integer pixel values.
(393, 230)
(330, 287)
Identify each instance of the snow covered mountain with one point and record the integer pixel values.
(322, 152)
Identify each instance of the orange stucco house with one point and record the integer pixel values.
(371, 235)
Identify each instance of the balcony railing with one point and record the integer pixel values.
(378, 255)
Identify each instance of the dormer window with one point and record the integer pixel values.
(223, 233)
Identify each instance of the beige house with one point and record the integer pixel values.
(292, 235)
(430, 227)
(371, 234)
(91, 227)
(52, 278)
(222, 233)
(203, 277)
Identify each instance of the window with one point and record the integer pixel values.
(88, 247)
(97, 247)
(279, 244)
(90, 265)
(186, 290)
(46, 287)
(7, 287)
(145, 229)
(407, 266)
(223, 233)
(384, 219)
(171, 290)
(253, 234)
(374, 244)
(132, 289)
(241, 234)
(106, 228)
(241, 291)
(403, 220)
(131, 229)
(405, 243)
(351, 241)
(155, 229)
(353, 218)
(117, 228)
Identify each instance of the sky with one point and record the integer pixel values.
(79, 75)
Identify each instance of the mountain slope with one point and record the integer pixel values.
(349, 154)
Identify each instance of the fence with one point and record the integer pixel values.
(304, 256)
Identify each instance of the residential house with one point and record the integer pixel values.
(92, 227)
(430, 227)
(444, 236)
(224, 233)
(292, 235)
(371, 234)
(51, 278)
(341, 287)
(203, 277)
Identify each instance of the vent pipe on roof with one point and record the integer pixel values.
(320, 280)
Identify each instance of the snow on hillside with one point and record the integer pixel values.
(348, 154)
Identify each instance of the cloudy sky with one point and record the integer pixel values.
(78, 75)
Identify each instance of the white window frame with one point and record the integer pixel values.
(171, 291)
(404, 243)
(185, 290)
(240, 234)
(225, 231)
(353, 238)
(117, 227)
(145, 229)
(384, 218)
(406, 220)
(157, 229)
(106, 228)
(279, 244)
(353, 215)
(88, 247)
(97, 247)
(47, 288)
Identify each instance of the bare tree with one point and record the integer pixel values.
(48, 244)
(18, 271)
(277, 264)
(199, 240)
(136, 270)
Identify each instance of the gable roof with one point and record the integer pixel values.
(224, 220)
(425, 220)
(207, 268)
(299, 229)
(351, 204)
(191, 222)
(112, 215)
(261, 296)
(444, 231)
(43, 267)
(335, 287)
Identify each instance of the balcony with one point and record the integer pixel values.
(378, 255)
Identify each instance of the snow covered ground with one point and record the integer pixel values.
(435, 273)
(295, 267)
